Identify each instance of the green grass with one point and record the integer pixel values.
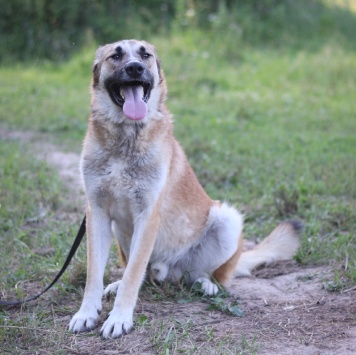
(272, 131)
(33, 232)
(275, 133)
(47, 98)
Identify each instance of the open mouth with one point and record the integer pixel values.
(132, 96)
(117, 91)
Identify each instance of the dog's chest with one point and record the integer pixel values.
(112, 180)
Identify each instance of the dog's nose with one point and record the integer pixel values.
(134, 69)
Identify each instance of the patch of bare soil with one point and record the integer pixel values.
(286, 314)
(292, 313)
(286, 308)
(66, 163)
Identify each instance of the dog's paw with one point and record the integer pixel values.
(111, 289)
(207, 287)
(84, 320)
(159, 271)
(117, 324)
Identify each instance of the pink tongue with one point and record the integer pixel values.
(134, 107)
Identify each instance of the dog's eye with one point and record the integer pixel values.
(116, 56)
(145, 55)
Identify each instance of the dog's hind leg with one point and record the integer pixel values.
(112, 288)
(226, 271)
(217, 251)
(159, 271)
(223, 274)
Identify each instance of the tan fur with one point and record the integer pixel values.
(224, 273)
(140, 186)
(122, 257)
(281, 244)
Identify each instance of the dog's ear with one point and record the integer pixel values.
(96, 65)
(96, 74)
(160, 73)
(158, 62)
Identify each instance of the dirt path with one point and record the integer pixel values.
(286, 308)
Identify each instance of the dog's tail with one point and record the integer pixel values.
(281, 244)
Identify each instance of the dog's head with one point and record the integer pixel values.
(128, 78)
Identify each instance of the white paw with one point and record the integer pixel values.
(159, 271)
(111, 288)
(85, 319)
(118, 324)
(208, 287)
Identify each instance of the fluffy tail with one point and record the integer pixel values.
(281, 244)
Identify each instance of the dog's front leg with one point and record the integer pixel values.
(98, 241)
(120, 320)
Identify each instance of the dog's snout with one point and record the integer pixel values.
(134, 69)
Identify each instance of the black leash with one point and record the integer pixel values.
(78, 239)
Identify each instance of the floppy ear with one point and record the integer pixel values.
(96, 65)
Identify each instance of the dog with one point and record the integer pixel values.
(141, 189)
